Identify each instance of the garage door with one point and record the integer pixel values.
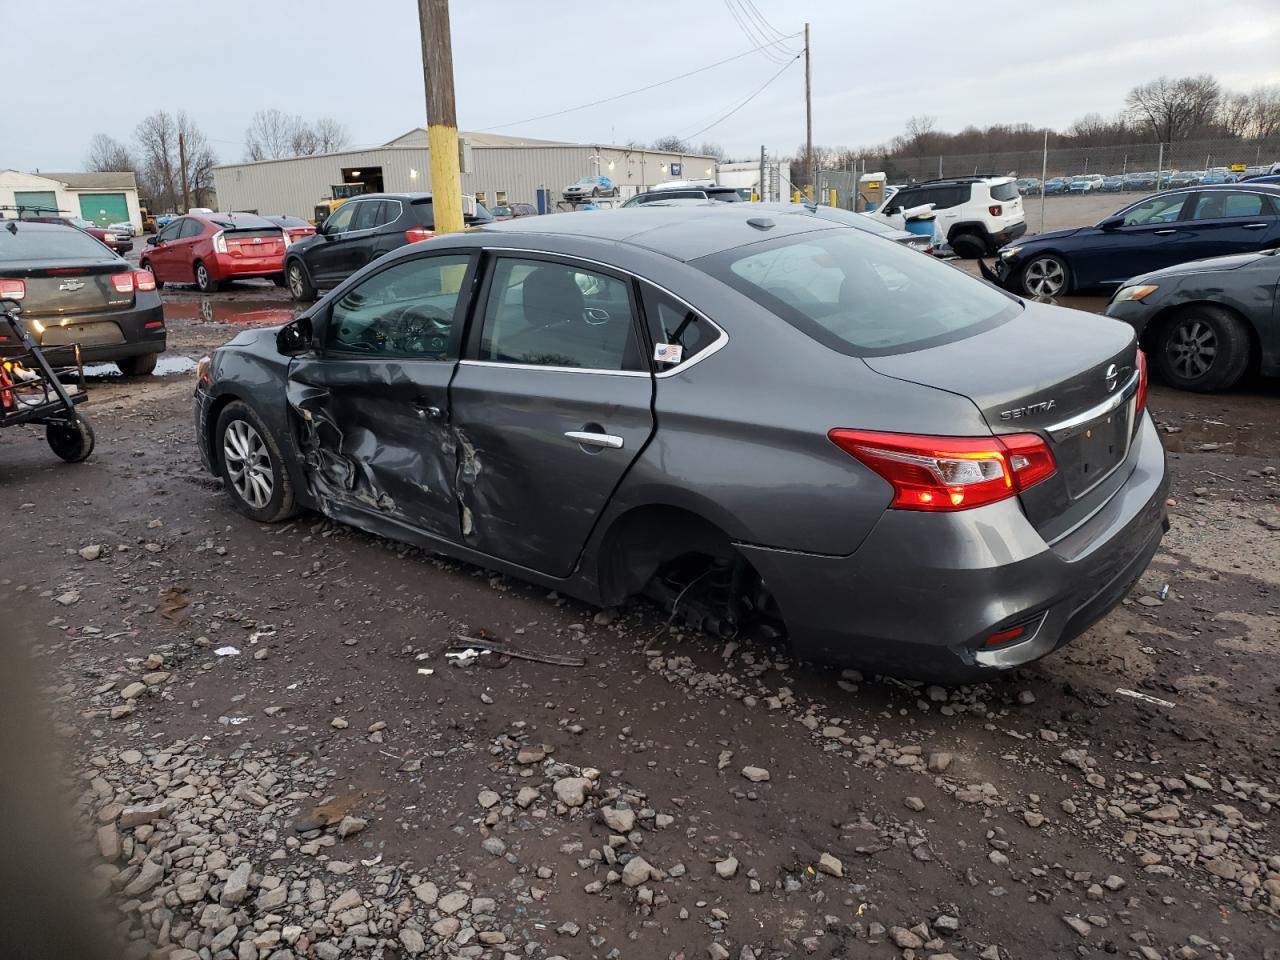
(104, 209)
(35, 203)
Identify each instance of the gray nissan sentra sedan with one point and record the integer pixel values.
(743, 414)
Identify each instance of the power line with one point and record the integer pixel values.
(761, 43)
(629, 93)
(769, 29)
(759, 90)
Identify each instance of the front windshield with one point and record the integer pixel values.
(82, 223)
(859, 295)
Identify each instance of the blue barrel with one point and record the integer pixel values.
(919, 226)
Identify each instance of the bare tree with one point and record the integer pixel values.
(272, 134)
(1173, 109)
(329, 135)
(165, 142)
(671, 144)
(711, 149)
(108, 155)
(1255, 114)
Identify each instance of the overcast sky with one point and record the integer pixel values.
(106, 65)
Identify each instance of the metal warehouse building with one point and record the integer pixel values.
(497, 169)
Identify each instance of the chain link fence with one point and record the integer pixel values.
(1140, 167)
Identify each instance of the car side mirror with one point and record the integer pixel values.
(294, 338)
(1111, 223)
(152, 241)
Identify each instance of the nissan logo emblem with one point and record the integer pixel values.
(1112, 377)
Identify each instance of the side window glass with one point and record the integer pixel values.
(672, 324)
(1155, 210)
(366, 215)
(1220, 204)
(558, 315)
(191, 228)
(171, 230)
(389, 212)
(340, 220)
(408, 311)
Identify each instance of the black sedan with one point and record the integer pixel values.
(1156, 232)
(1205, 323)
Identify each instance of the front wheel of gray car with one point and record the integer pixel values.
(251, 465)
(1046, 277)
(1203, 348)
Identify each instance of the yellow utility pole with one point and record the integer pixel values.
(442, 116)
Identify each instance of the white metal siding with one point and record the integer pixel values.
(296, 185)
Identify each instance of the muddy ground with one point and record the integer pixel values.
(335, 787)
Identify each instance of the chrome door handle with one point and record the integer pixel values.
(1254, 226)
(1164, 233)
(595, 439)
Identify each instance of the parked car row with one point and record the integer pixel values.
(117, 240)
(1193, 268)
(1138, 180)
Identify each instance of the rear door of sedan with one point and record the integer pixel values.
(1149, 236)
(551, 405)
(1222, 222)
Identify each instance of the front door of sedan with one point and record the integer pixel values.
(1222, 222)
(551, 405)
(373, 403)
(162, 254)
(323, 258)
(1146, 237)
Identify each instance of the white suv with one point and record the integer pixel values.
(976, 215)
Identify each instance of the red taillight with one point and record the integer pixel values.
(123, 282)
(415, 234)
(950, 473)
(1005, 636)
(1142, 381)
(144, 280)
(12, 289)
(995, 209)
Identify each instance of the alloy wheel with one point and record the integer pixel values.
(1192, 348)
(1045, 277)
(202, 276)
(248, 463)
(295, 281)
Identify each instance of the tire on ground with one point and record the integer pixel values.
(139, 366)
(281, 504)
(1180, 347)
(970, 246)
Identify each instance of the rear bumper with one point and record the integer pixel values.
(923, 592)
(113, 335)
(1009, 234)
(223, 267)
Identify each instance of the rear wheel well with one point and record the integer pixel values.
(977, 228)
(645, 539)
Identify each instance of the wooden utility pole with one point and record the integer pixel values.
(808, 121)
(763, 196)
(442, 116)
(182, 171)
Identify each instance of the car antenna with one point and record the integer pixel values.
(810, 203)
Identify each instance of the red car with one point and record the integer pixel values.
(295, 228)
(212, 249)
(116, 242)
(510, 211)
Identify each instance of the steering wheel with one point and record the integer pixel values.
(423, 329)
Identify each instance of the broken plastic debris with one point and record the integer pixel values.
(233, 721)
(425, 671)
(1146, 698)
(1164, 592)
(464, 656)
(372, 863)
(261, 634)
(227, 652)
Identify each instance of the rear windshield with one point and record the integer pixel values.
(290, 221)
(724, 195)
(249, 233)
(859, 295)
(49, 243)
(1004, 191)
(242, 223)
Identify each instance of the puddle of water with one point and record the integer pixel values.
(251, 312)
(166, 366)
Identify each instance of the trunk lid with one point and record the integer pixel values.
(55, 291)
(254, 243)
(1066, 375)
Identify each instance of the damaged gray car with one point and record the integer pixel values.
(744, 415)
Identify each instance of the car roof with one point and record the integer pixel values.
(990, 178)
(682, 233)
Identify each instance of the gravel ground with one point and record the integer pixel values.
(272, 759)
